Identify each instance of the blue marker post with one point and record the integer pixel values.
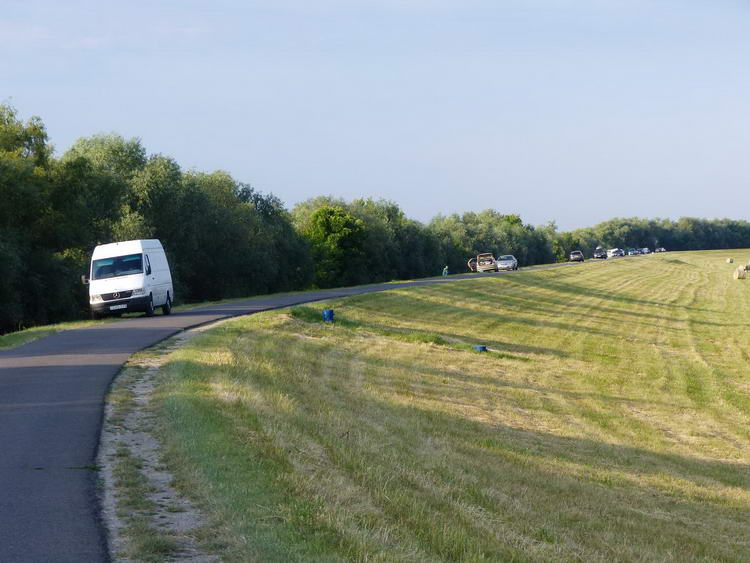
(328, 315)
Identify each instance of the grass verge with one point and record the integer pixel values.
(144, 541)
(21, 337)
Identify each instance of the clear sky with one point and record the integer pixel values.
(574, 111)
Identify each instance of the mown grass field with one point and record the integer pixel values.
(609, 421)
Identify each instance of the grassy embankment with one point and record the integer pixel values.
(608, 422)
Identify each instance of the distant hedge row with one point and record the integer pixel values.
(225, 239)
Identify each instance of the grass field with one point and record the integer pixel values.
(21, 337)
(609, 421)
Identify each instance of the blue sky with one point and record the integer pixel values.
(573, 111)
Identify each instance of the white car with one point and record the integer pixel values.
(507, 262)
(612, 252)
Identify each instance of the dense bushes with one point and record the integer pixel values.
(222, 237)
(225, 239)
(688, 233)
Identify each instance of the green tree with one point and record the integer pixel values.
(37, 280)
(337, 239)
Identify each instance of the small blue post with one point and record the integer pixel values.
(328, 315)
(480, 348)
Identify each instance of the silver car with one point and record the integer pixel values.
(507, 262)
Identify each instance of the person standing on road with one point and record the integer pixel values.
(445, 271)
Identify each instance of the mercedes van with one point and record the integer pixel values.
(129, 276)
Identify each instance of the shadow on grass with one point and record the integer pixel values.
(456, 378)
(498, 349)
(549, 284)
(604, 484)
(622, 456)
(416, 303)
(544, 304)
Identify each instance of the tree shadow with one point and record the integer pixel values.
(456, 378)
(618, 484)
(549, 306)
(414, 301)
(548, 284)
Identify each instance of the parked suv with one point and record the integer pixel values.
(600, 253)
(576, 256)
(486, 263)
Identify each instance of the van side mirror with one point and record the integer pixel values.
(85, 279)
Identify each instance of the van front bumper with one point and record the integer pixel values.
(132, 305)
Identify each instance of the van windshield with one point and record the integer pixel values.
(117, 266)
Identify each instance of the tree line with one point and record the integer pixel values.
(226, 239)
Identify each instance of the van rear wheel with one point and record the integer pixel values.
(150, 306)
(167, 307)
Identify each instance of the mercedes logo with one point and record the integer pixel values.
(115, 295)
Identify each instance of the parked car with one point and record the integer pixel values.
(645, 250)
(507, 262)
(614, 252)
(486, 263)
(576, 256)
(600, 253)
(660, 249)
(633, 251)
(129, 276)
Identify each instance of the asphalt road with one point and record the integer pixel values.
(51, 404)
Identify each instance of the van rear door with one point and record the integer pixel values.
(149, 279)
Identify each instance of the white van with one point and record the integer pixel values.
(129, 276)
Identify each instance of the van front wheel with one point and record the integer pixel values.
(150, 306)
(167, 307)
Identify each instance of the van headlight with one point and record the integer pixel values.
(96, 299)
(138, 291)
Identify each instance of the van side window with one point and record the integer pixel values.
(148, 265)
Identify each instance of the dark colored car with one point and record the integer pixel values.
(600, 253)
(576, 256)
